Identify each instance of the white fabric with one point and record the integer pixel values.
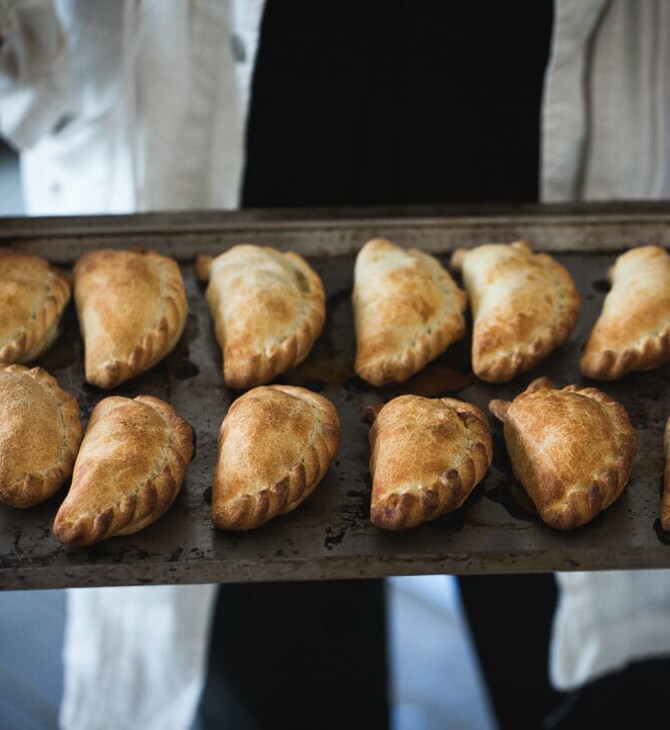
(606, 135)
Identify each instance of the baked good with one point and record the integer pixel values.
(524, 305)
(129, 470)
(428, 454)
(633, 330)
(132, 310)
(665, 502)
(33, 296)
(571, 449)
(40, 432)
(275, 445)
(407, 311)
(268, 309)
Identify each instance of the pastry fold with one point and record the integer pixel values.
(132, 311)
(129, 470)
(571, 449)
(275, 445)
(428, 454)
(40, 432)
(407, 311)
(524, 305)
(633, 330)
(33, 296)
(268, 309)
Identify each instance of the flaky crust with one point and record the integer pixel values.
(665, 501)
(33, 296)
(524, 305)
(130, 468)
(268, 309)
(633, 330)
(40, 433)
(275, 446)
(132, 311)
(407, 311)
(428, 454)
(572, 449)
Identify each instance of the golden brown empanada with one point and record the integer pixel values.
(33, 296)
(524, 305)
(275, 446)
(428, 454)
(665, 502)
(633, 330)
(129, 470)
(407, 310)
(268, 309)
(40, 432)
(132, 310)
(571, 449)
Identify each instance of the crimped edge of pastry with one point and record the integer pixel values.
(568, 513)
(154, 345)
(665, 500)
(45, 318)
(262, 367)
(428, 345)
(250, 511)
(505, 366)
(416, 504)
(147, 500)
(36, 487)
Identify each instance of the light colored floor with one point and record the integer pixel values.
(435, 681)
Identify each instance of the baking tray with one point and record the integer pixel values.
(330, 536)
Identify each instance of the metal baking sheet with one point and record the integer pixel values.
(330, 536)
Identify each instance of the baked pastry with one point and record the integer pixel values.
(33, 296)
(633, 330)
(132, 310)
(428, 454)
(129, 470)
(665, 502)
(407, 311)
(40, 432)
(524, 305)
(571, 449)
(268, 309)
(275, 446)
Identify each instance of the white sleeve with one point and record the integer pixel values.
(35, 79)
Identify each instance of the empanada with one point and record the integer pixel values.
(33, 296)
(268, 309)
(524, 305)
(275, 446)
(633, 330)
(665, 502)
(428, 454)
(571, 449)
(407, 311)
(132, 310)
(40, 432)
(129, 470)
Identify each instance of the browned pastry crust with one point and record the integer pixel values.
(427, 457)
(665, 502)
(275, 446)
(572, 449)
(524, 305)
(40, 432)
(132, 310)
(130, 468)
(33, 296)
(407, 311)
(268, 309)
(633, 330)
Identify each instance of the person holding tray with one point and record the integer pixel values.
(125, 107)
